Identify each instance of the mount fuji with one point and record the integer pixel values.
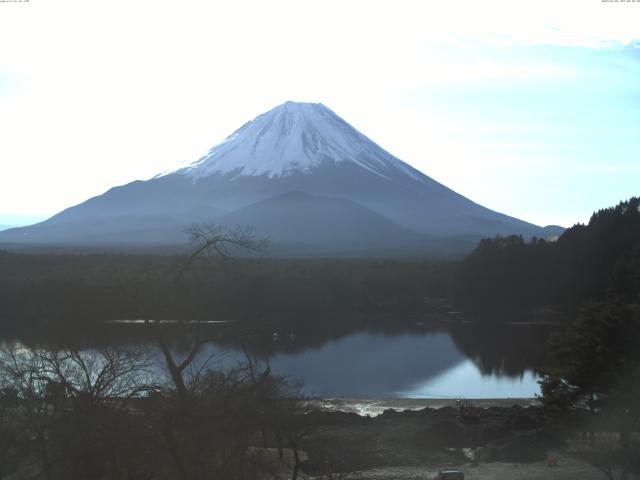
(300, 175)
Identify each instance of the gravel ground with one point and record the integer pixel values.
(411, 439)
(567, 469)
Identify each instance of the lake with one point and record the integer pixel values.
(392, 360)
(449, 363)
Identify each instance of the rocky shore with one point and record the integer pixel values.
(489, 439)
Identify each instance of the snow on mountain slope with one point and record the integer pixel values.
(291, 138)
(352, 196)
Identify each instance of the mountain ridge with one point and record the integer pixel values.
(295, 147)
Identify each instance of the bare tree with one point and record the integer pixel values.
(206, 240)
(8, 432)
(98, 375)
(208, 416)
(218, 241)
(335, 461)
(60, 391)
(21, 371)
(291, 419)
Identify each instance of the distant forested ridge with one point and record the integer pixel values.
(79, 290)
(600, 260)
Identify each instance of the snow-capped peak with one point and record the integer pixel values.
(290, 138)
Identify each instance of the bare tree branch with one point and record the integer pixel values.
(219, 241)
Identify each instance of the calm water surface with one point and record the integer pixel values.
(412, 365)
(427, 362)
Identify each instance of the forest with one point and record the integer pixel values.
(78, 291)
(108, 407)
(590, 278)
(597, 261)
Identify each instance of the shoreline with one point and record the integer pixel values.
(376, 406)
(410, 438)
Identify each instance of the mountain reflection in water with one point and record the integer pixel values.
(370, 364)
(416, 364)
(391, 359)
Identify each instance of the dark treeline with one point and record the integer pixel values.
(76, 290)
(501, 350)
(594, 261)
(591, 275)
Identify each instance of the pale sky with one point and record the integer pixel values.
(529, 108)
